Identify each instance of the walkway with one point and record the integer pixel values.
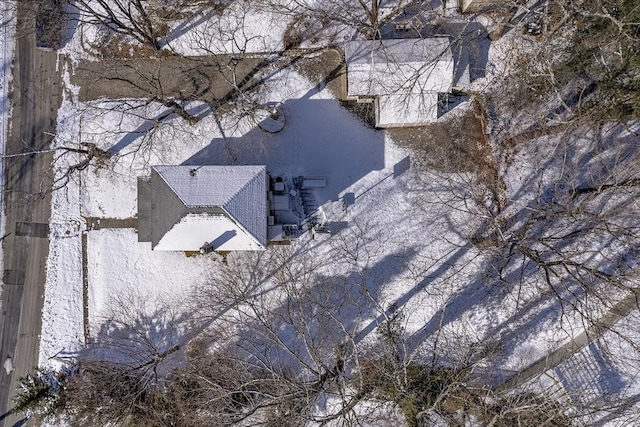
(555, 358)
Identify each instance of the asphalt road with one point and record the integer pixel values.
(35, 97)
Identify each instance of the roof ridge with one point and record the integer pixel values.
(169, 184)
(246, 184)
(259, 173)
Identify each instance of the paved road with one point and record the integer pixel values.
(36, 97)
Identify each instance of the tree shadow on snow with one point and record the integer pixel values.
(132, 338)
(568, 250)
(315, 326)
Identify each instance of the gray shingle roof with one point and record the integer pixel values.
(212, 200)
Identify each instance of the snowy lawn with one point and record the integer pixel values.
(412, 232)
(421, 261)
(120, 267)
(320, 138)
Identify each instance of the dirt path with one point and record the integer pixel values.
(206, 78)
(555, 358)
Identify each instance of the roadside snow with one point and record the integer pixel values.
(7, 41)
(62, 317)
(62, 311)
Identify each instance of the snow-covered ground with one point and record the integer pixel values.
(420, 257)
(603, 377)
(353, 157)
(320, 138)
(7, 45)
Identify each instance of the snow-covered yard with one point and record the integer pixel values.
(408, 240)
(320, 138)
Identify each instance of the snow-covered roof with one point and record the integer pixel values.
(222, 233)
(409, 72)
(407, 109)
(189, 206)
(477, 5)
(202, 186)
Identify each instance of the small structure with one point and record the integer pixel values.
(402, 76)
(203, 208)
(270, 117)
(471, 6)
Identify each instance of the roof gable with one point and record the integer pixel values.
(219, 230)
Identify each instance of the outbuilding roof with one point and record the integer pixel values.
(406, 75)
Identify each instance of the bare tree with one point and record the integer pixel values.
(134, 18)
(367, 17)
(301, 330)
(126, 367)
(581, 69)
(271, 339)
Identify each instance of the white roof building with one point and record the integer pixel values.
(404, 75)
(468, 6)
(185, 208)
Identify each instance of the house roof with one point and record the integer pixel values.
(189, 206)
(408, 72)
(210, 185)
(397, 50)
(407, 109)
